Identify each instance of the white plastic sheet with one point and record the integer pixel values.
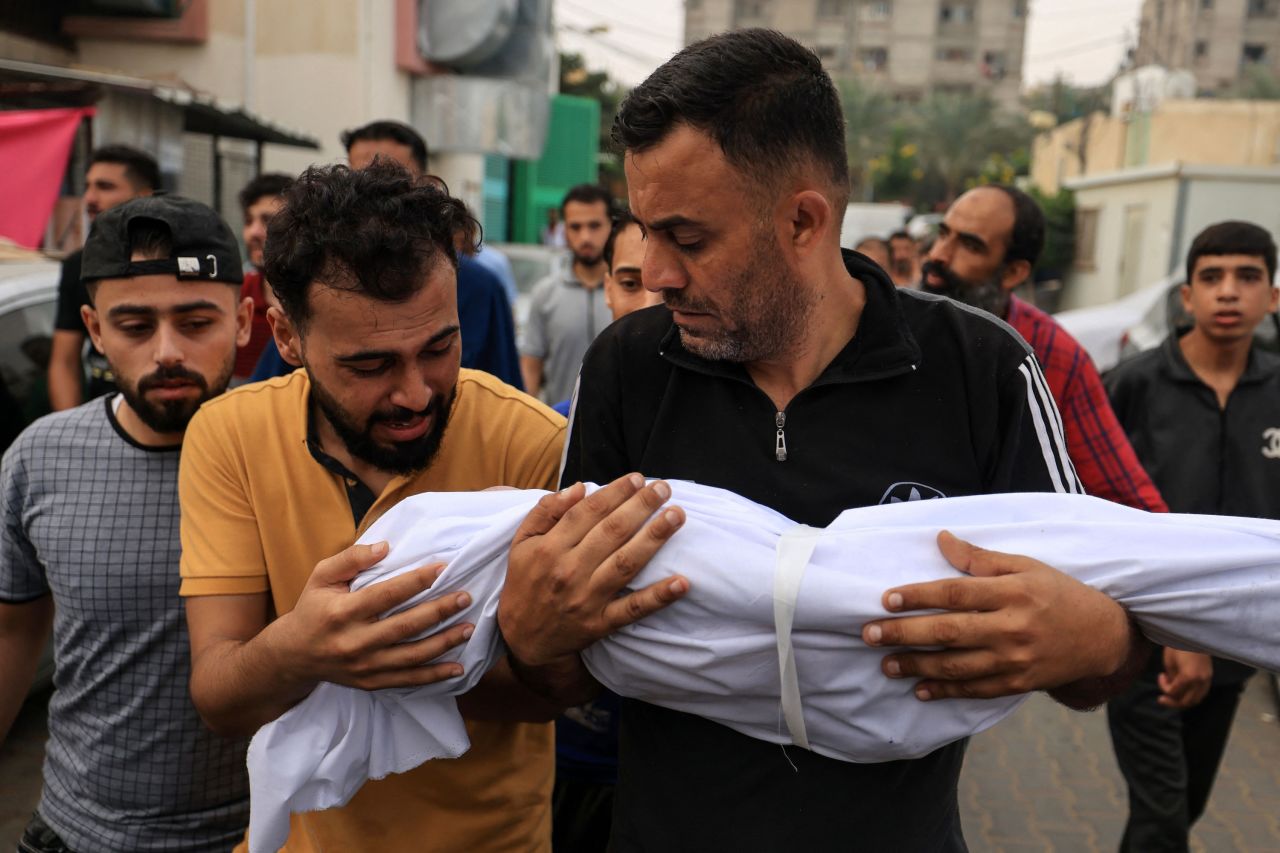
(1196, 582)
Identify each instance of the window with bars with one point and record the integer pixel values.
(877, 10)
(956, 14)
(1086, 238)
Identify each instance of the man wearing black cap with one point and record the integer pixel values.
(117, 173)
(89, 544)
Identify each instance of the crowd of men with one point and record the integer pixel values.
(191, 547)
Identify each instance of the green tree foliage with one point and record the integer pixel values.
(1066, 102)
(1256, 83)
(960, 134)
(869, 117)
(577, 79)
(928, 153)
(1060, 231)
(898, 172)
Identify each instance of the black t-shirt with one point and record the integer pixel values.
(71, 295)
(929, 399)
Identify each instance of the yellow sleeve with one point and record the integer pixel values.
(221, 544)
(535, 454)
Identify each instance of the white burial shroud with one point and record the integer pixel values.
(767, 641)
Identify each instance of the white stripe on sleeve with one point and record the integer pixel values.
(1061, 472)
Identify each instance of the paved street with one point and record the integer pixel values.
(1043, 780)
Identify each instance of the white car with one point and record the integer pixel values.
(1141, 321)
(1105, 330)
(531, 263)
(28, 302)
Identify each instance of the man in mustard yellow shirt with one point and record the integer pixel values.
(279, 476)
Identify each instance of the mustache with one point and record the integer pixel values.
(677, 300)
(399, 414)
(951, 283)
(170, 374)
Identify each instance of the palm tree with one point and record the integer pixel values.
(958, 133)
(869, 116)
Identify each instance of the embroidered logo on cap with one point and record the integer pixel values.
(188, 266)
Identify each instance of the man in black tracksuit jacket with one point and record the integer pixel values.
(1203, 414)
(930, 399)
(802, 379)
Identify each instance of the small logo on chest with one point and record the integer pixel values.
(903, 492)
(1271, 449)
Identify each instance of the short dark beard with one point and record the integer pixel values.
(588, 261)
(769, 311)
(401, 458)
(171, 416)
(989, 295)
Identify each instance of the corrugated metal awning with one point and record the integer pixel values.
(30, 85)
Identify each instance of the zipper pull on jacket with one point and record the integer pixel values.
(780, 445)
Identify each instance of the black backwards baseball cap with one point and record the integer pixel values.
(203, 245)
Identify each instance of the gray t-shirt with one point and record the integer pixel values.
(564, 318)
(92, 517)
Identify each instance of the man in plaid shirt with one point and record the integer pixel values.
(987, 245)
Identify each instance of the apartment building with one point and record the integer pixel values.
(1217, 40)
(909, 47)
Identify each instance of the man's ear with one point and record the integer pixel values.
(287, 339)
(1185, 292)
(89, 315)
(244, 321)
(811, 219)
(1016, 273)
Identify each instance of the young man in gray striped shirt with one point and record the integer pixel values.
(89, 544)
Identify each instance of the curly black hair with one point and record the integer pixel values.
(376, 232)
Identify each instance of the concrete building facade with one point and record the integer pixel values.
(316, 67)
(1204, 131)
(911, 48)
(1217, 40)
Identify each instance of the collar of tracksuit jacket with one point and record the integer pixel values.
(882, 345)
(1175, 364)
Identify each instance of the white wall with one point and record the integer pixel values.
(1207, 199)
(1102, 284)
(316, 66)
(1214, 200)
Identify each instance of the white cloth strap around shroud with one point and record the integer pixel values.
(773, 617)
(795, 548)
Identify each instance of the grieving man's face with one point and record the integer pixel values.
(383, 374)
(713, 250)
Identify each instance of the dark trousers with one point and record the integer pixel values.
(39, 837)
(1169, 759)
(581, 816)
